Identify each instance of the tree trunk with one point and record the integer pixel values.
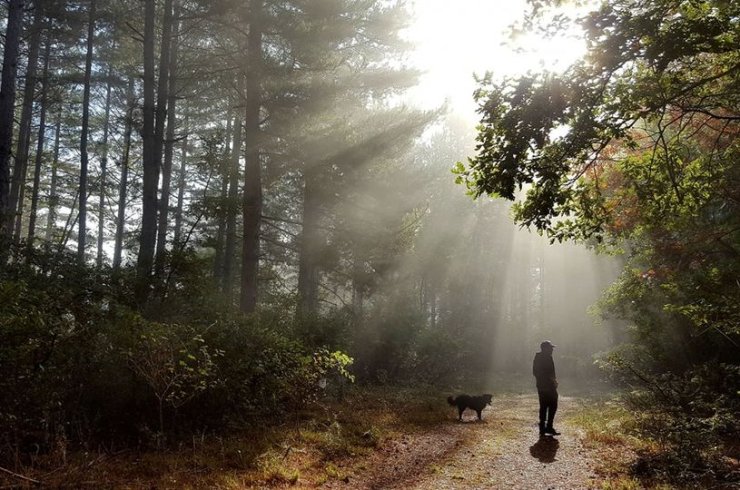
(164, 206)
(123, 186)
(231, 210)
(18, 188)
(150, 163)
(161, 108)
(308, 269)
(218, 257)
(252, 204)
(53, 198)
(39, 146)
(104, 168)
(182, 174)
(13, 30)
(82, 225)
(358, 285)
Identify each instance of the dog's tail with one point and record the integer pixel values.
(450, 400)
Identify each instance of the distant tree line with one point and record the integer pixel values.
(206, 110)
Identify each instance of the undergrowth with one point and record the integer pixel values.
(323, 442)
(631, 457)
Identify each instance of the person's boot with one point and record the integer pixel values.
(549, 430)
(542, 428)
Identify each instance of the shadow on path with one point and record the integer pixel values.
(545, 449)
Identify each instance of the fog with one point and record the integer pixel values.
(448, 284)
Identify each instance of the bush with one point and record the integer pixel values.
(75, 357)
(690, 416)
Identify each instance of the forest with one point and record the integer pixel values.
(236, 252)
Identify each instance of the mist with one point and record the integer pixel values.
(446, 288)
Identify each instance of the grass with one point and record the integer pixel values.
(627, 457)
(606, 425)
(324, 442)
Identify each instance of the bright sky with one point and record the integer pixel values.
(456, 38)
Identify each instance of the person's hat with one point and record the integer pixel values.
(547, 344)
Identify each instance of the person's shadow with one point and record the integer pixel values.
(545, 449)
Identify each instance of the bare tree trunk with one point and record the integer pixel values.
(53, 198)
(104, 168)
(123, 186)
(150, 162)
(433, 306)
(358, 285)
(232, 210)
(308, 269)
(13, 29)
(164, 206)
(20, 170)
(218, 257)
(39, 146)
(82, 225)
(252, 204)
(182, 173)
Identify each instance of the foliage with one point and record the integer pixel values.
(659, 64)
(74, 357)
(635, 147)
(175, 363)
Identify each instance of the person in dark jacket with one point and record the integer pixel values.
(543, 369)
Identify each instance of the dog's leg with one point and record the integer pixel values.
(460, 411)
(479, 414)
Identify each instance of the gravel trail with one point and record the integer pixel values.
(504, 451)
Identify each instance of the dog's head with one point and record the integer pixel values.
(488, 399)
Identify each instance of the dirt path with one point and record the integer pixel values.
(503, 451)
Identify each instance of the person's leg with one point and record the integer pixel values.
(552, 407)
(543, 410)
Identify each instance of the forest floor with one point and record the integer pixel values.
(375, 439)
(503, 450)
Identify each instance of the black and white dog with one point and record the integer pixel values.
(477, 403)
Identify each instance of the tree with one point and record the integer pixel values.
(20, 169)
(40, 144)
(84, 157)
(169, 142)
(252, 200)
(124, 164)
(644, 62)
(104, 167)
(148, 236)
(636, 147)
(7, 108)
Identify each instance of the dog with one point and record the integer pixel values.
(477, 403)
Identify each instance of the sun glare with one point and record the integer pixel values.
(456, 39)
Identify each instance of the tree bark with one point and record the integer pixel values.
(39, 145)
(308, 269)
(104, 168)
(252, 204)
(53, 198)
(358, 284)
(123, 185)
(150, 163)
(13, 30)
(232, 208)
(20, 170)
(82, 225)
(218, 257)
(164, 206)
(182, 174)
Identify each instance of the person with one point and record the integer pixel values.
(543, 369)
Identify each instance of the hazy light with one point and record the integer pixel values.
(455, 39)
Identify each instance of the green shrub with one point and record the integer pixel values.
(690, 416)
